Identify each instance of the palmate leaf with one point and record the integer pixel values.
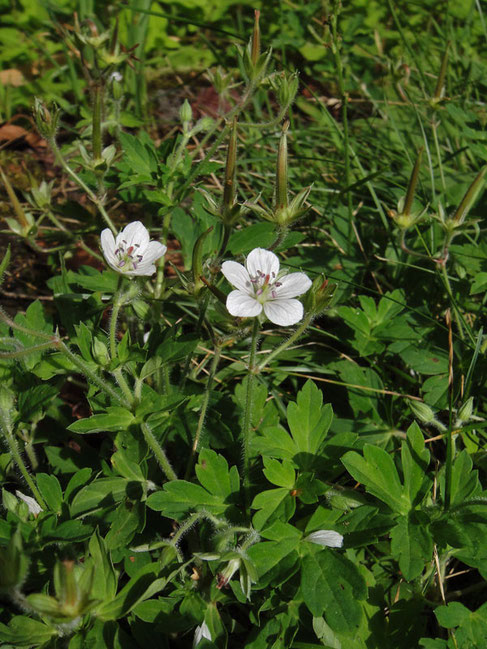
(25, 632)
(332, 585)
(309, 421)
(411, 545)
(180, 497)
(376, 470)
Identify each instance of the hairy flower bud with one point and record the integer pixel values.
(320, 295)
(185, 112)
(13, 564)
(46, 119)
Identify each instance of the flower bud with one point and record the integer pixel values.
(13, 564)
(197, 264)
(100, 352)
(203, 124)
(185, 112)
(46, 120)
(318, 298)
(465, 412)
(285, 86)
(422, 411)
(117, 86)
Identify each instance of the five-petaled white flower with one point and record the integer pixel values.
(131, 252)
(259, 285)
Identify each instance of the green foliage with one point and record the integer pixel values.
(172, 473)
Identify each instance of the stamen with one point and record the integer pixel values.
(278, 284)
(121, 263)
(259, 291)
(274, 294)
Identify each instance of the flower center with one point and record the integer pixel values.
(128, 258)
(265, 286)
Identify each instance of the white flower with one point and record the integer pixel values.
(132, 252)
(201, 632)
(326, 538)
(32, 504)
(259, 285)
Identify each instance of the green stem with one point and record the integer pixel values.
(299, 332)
(446, 282)
(96, 121)
(117, 372)
(434, 128)
(90, 375)
(158, 451)
(91, 195)
(204, 408)
(344, 98)
(17, 457)
(117, 304)
(247, 422)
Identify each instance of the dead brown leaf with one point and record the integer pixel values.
(12, 77)
(11, 132)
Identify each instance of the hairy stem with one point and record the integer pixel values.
(6, 427)
(247, 422)
(284, 345)
(158, 451)
(204, 408)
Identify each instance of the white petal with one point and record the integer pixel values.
(263, 260)
(242, 305)
(153, 251)
(142, 269)
(201, 632)
(284, 312)
(237, 275)
(135, 233)
(326, 538)
(32, 504)
(107, 242)
(292, 285)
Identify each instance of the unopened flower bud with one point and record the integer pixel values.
(422, 411)
(318, 298)
(46, 120)
(425, 414)
(185, 112)
(465, 411)
(100, 352)
(197, 265)
(13, 563)
(285, 86)
(203, 124)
